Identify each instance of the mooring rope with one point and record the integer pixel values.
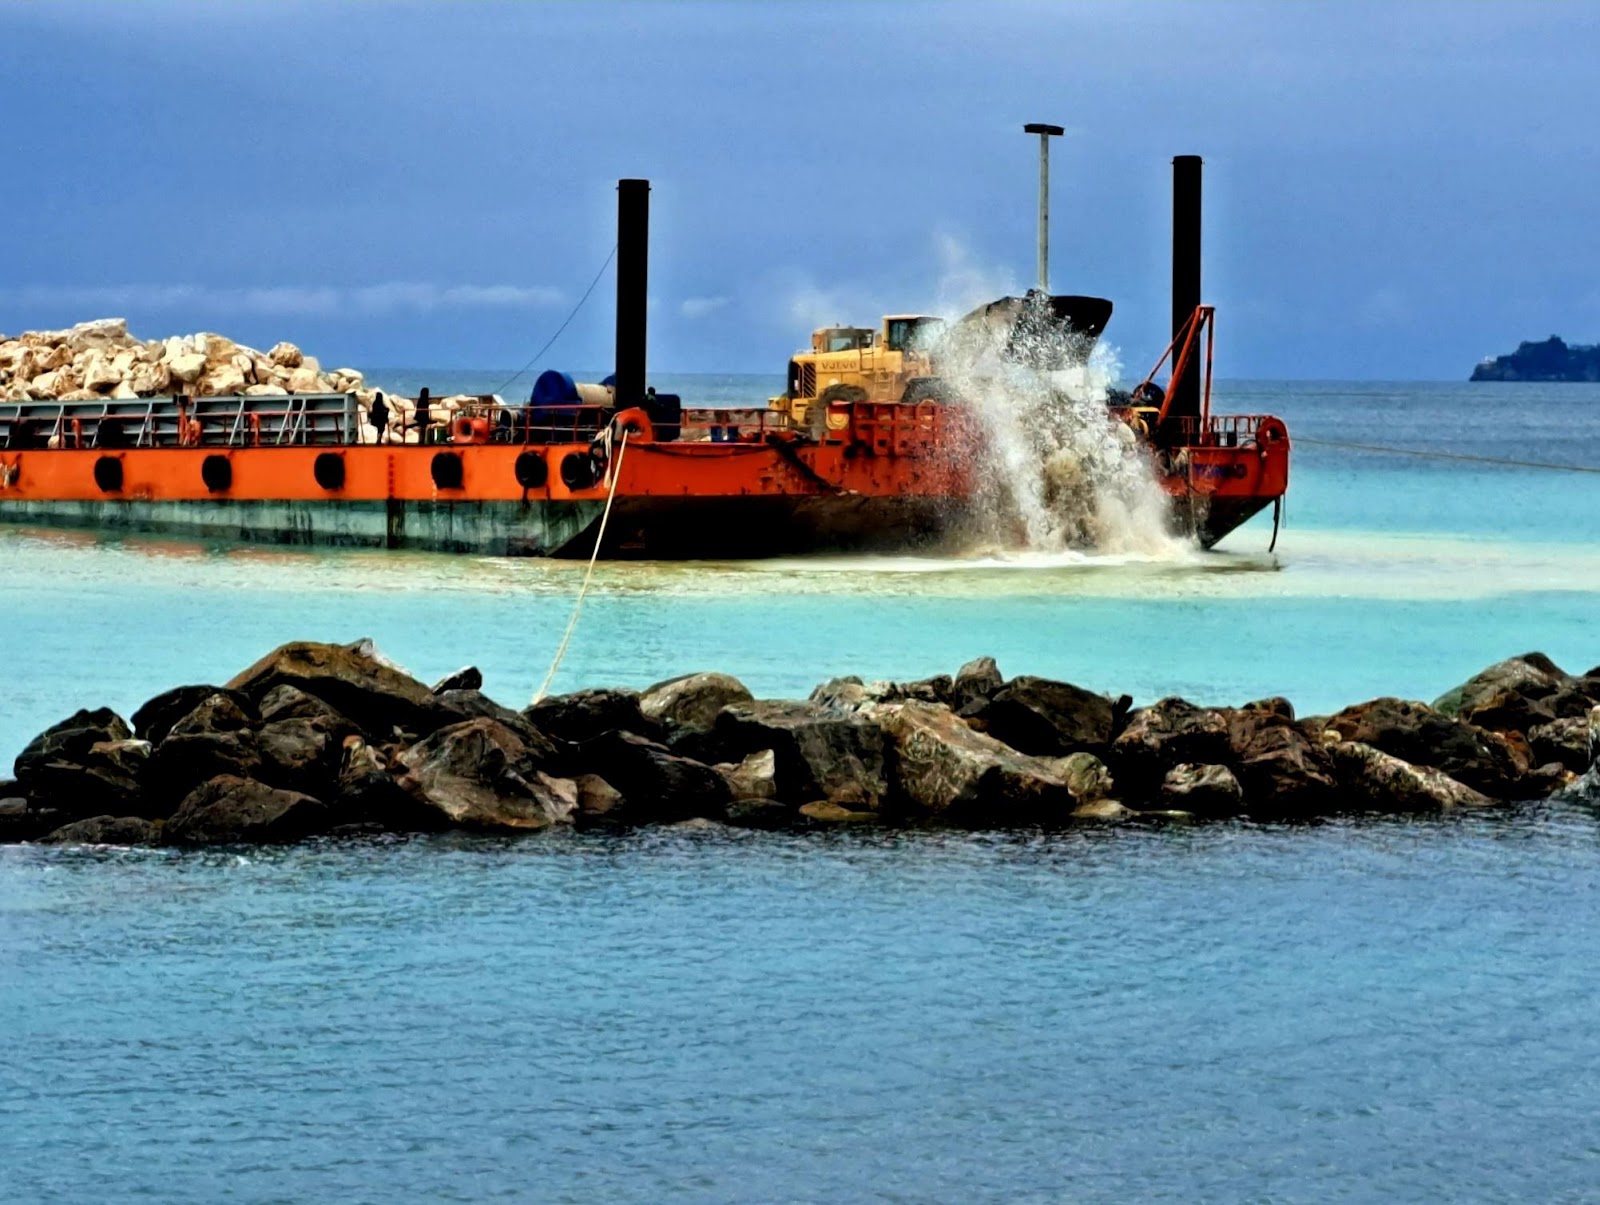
(551, 341)
(583, 590)
(1426, 455)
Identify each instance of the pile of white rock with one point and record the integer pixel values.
(100, 359)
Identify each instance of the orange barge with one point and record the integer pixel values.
(535, 480)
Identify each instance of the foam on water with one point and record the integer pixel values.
(78, 570)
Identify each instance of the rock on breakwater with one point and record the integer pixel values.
(324, 739)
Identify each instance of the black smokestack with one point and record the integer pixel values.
(1185, 272)
(633, 282)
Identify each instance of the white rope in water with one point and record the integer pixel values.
(599, 539)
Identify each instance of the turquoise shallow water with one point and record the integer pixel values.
(1353, 1011)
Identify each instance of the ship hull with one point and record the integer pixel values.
(639, 529)
(886, 477)
(650, 528)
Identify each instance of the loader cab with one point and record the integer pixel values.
(840, 338)
(913, 333)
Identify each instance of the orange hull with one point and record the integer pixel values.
(882, 476)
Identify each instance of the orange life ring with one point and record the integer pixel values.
(1270, 431)
(636, 422)
(469, 429)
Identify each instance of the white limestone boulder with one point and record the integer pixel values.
(286, 355)
(186, 366)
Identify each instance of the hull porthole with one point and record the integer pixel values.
(532, 471)
(329, 471)
(446, 470)
(217, 473)
(577, 470)
(108, 474)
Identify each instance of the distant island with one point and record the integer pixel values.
(1550, 360)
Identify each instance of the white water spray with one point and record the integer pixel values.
(1059, 472)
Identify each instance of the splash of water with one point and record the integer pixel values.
(1058, 471)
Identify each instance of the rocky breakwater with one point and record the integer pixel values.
(330, 740)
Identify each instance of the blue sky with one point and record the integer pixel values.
(1393, 190)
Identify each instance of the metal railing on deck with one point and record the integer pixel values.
(336, 419)
(177, 421)
(1219, 430)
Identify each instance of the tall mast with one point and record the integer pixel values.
(1045, 132)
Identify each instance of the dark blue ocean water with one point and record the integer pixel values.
(1381, 1011)
(1362, 1011)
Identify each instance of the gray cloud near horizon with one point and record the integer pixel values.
(374, 300)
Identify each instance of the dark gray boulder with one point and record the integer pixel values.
(214, 738)
(108, 776)
(938, 689)
(755, 777)
(1168, 733)
(1573, 701)
(1565, 741)
(479, 774)
(106, 830)
(153, 721)
(585, 714)
(367, 795)
(454, 706)
(976, 682)
(820, 754)
(1276, 705)
(1087, 777)
(300, 754)
(1507, 711)
(468, 677)
(1587, 787)
(229, 810)
(181, 763)
(1532, 675)
(70, 741)
(1546, 780)
(355, 680)
(219, 711)
(1046, 718)
(657, 786)
(292, 703)
(1417, 733)
(692, 700)
(1202, 790)
(598, 800)
(1372, 780)
(1283, 772)
(21, 822)
(945, 771)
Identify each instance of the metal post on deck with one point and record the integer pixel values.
(1185, 269)
(633, 280)
(1045, 132)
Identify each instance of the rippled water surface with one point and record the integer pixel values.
(1362, 1011)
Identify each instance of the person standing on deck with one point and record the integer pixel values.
(423, 416)
(378, 412)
